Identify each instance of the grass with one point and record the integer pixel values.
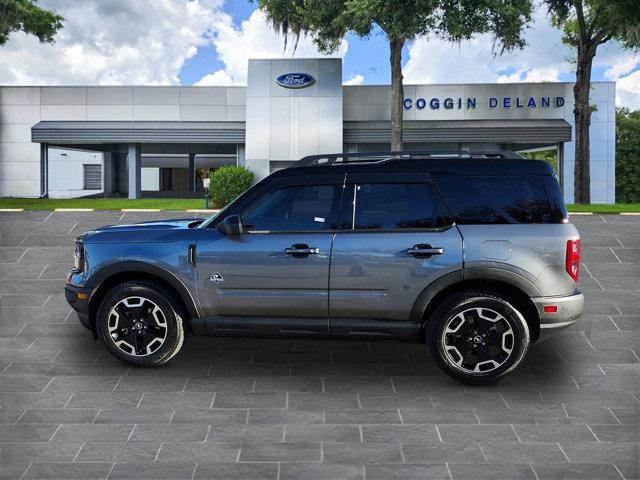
(102, 203)
(198, 203)
(601, 208)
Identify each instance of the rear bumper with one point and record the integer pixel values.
(569, 311)
(78, 298)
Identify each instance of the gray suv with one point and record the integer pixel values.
(470, 253)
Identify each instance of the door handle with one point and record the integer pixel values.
(301, 250)
(421, 250)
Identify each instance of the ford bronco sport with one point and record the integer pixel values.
(470, 253)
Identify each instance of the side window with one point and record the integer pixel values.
(396, 205)
(300, 208)
(495, 199)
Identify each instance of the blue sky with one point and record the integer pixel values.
(208, 42)
(365, 56)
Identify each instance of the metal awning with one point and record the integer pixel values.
(69, 133)
(491, 131)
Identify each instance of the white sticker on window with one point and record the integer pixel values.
(318, 219)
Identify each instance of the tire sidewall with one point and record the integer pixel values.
(174, 326)
(460, 303)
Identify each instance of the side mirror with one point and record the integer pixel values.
(232, 226)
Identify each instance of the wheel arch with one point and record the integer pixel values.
(517, 289)
(108, 277)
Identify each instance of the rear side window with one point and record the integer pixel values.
(392, 206)
(556, 199)
(496, 199)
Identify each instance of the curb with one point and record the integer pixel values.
(140, 210)
(73, 209)
(580, 213)
(11, 209)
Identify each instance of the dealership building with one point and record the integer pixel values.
(150, 141)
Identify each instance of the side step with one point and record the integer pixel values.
(303, 327)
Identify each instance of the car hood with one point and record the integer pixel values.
(144, 232)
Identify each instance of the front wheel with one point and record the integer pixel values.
(140, 323)
(477, 337)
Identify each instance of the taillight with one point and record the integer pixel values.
(573, 258)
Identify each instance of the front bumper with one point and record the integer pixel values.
(78, 298)
(569, 310)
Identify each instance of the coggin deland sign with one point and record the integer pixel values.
(469, 103)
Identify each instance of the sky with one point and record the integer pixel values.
(208, 42)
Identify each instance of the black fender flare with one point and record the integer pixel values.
(98, 278)
(490, 273)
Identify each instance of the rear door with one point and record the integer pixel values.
(395, 239)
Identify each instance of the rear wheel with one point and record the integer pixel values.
(141, 323)
(477, 337)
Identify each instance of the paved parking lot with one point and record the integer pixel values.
(256, 408)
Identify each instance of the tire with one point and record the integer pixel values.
(477, 337)
(141, 323)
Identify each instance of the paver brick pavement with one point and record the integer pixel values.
(287, 409)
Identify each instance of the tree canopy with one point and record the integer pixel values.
(594, 22)
(627, 156)
(587, 24)
(327, 21)
(27, 16)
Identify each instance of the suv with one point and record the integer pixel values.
(469, 253)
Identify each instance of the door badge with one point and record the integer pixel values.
(216, 278)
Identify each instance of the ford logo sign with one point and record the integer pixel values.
(295, 80)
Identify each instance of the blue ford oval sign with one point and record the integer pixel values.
(295, 80)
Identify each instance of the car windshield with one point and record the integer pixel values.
(213, 217)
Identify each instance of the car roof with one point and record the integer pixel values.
(485, 163)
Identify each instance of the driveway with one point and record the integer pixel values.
(256, 408)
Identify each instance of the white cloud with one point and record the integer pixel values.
(217, 78)
(357, 79)
(545, 58)
(628, 91)
(114, 42)
(432, 60)
(625, 63)
(253, 39)
(531, 75)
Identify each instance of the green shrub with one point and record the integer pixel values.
(227, 183)
(627, 156)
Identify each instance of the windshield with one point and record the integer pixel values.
(213, 217)
(217, 216)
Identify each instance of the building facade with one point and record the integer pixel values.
(162, 141)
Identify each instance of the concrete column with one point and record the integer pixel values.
(192, 172)
(107, 173)
(240, 155)
(561, 165)
(134, 170)
(44, 170)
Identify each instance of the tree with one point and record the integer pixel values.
(627, 156)
(28, 17)
(587, 24)
(328, 21)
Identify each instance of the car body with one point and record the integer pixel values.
(471, 253)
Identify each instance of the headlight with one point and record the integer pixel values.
(78, 256)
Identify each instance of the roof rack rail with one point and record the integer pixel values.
(380, 157)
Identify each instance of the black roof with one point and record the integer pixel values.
(465, 163)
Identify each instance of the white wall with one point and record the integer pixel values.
(282, 124)
(285, 124)
(66, 172)
(372, 103)
(150, 179)
(23, 107)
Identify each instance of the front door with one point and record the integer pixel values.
(395, 240)
(279, 266)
